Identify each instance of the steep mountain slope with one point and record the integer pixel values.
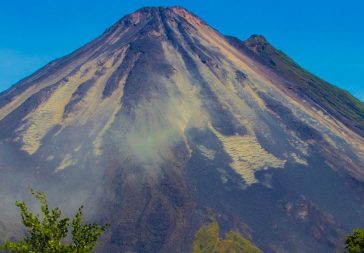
(162, 120)
(333, 100)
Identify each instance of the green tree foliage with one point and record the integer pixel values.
(207, 241)
(47, 232)
(355, 241)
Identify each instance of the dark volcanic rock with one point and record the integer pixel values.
(162, 121)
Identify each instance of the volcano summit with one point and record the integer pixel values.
(162, 120)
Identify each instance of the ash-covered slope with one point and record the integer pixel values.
(329, 98)
(161, 121)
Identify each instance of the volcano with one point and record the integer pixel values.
(162, 120)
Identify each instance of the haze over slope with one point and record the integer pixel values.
(162, 118)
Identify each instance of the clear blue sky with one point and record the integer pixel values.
(326, 37)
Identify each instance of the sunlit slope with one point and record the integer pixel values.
(162, 118)
(332, 99)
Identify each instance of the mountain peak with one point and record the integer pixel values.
(258, 43)
(158, 12)
(257, 38)
(163, 8)
(161, 122)
(179, 10)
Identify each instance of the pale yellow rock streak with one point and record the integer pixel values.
(50, 79)
(206, 152)
(247, 155)
(66, 162)
(248, 89)
(298, 159)
(106, 108)
(186, 110)
(268, 83)
(115, 99)
(260, 76)
(228, 98)
(50, 113)
(93, 108)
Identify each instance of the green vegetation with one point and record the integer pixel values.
(355, 241)
(49, 234)
(207, 240)
(337, 102)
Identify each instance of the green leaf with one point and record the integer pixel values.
(48, 235)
